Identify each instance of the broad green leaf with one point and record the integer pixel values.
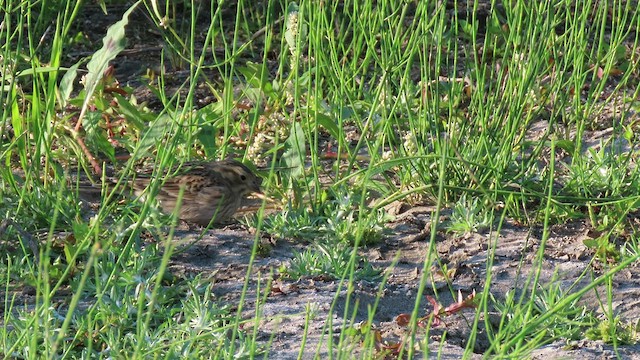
(329, 124)
(130, 112)
(293, 26)
(66, 84)
(295, 152)
(112, 45)
(156, 132)
(95, 135)
(566, 145)
(207, 137)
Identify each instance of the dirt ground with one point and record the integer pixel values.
(223, 254)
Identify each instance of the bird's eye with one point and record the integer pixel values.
(243, 177)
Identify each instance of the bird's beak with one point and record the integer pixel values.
(257, 184)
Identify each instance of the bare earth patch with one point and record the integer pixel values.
(224, 255)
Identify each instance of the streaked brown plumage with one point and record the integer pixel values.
(212, 190)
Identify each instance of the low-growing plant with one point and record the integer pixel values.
(329, 259)
(601, 174)
(338, 218)
(561, 322)
(614, 331)
(469, 216)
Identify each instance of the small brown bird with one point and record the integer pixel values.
(212, 190)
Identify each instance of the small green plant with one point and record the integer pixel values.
(328, 259)
(605, 249)
(469, 216)
(614, 331)
(345, 221)
(338, 217)
(540, 319)
(601, 173)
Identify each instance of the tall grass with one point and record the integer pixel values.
(351, 105)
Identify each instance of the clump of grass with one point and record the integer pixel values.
(560, 322)
(469, 216)
(329, 259)
(339, 217)
(614, 331)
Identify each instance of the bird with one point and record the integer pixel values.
(213, 191)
